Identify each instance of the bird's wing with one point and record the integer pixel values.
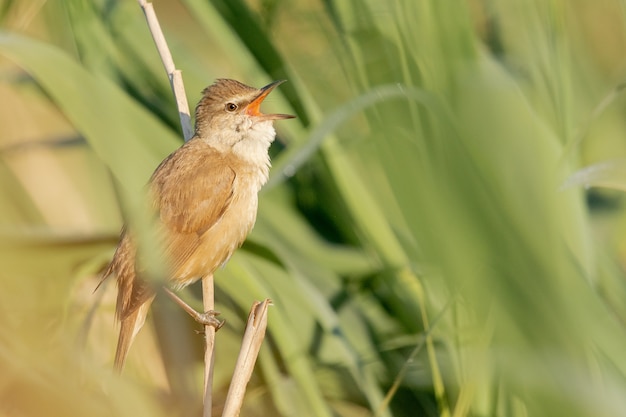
(191, 189)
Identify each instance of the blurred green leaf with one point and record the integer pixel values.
(609, 174)
(129, 139)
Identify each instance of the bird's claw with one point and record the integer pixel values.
(208, 318)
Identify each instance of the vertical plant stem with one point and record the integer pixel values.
(208, 298)
(176, 82)
(250, 347)
(174, 75)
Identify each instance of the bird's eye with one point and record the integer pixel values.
(231, 107)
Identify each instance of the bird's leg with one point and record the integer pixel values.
(207, 318)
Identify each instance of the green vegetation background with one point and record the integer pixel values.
(442, 235)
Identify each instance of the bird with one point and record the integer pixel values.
(204, 199)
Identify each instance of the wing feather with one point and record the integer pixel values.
(192, 189)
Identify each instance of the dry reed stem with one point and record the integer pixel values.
(208, 300)
(174, 75)
(178, 88)
(257, 318)
(251, 344)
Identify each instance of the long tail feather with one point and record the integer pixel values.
(130, 326)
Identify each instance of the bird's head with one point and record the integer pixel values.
(229, 112)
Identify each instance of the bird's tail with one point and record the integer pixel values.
(130, 326)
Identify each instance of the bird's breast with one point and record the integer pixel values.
(217, 244)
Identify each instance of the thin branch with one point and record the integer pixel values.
(208, 299)
(174, 75)
(257, 319)
(251, 344)
(176, 82)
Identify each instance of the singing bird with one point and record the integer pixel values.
(204, 198)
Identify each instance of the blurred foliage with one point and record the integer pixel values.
(442, 235)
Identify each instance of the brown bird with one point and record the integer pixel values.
(204, 197)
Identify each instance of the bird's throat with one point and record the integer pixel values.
(254, 145)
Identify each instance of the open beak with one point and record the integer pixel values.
(254, 108)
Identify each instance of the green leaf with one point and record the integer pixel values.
(607, 174)
(129, 139)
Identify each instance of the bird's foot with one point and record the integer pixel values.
(207, 318)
